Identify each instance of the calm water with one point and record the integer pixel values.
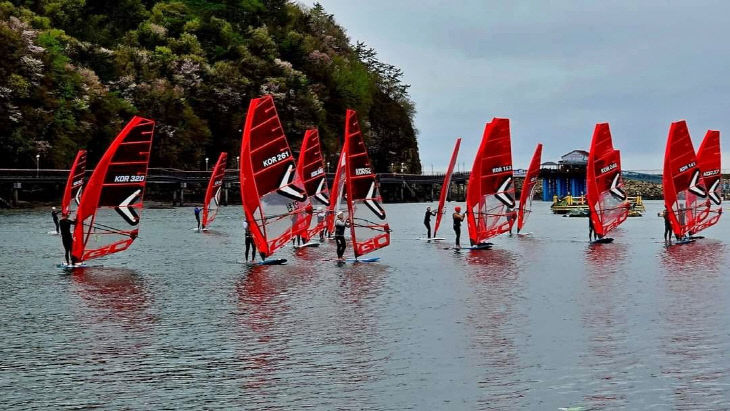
(538, 322)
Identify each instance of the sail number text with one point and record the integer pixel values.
(275, 159)
(129, 179)
(687, 167)
(501, 169)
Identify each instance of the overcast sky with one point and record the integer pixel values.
(554, 68)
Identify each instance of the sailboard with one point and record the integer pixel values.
(311, 169)
(108, 217)
(490, 198)
(685, 195)
(213, 192)
(528, 188)
(368, 225)
(337, 191)
(605, 194)
(709, 161)
(74, 184)
(445, 187)
(272, 192)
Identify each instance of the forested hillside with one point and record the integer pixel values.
(72, 72)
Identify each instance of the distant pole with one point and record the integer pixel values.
(37, 165)
(328, 166)
(431, 168)
(238, 162)
(206, 164)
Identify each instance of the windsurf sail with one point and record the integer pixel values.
(338, 190)
(490, 199)
(107, 220)
(604, 186)
(368, 226)
(528, 188)
(709, 161)
(272, 192)
(685, 195)
(213, 192)
(445, 187)
(311, 169)
(74, 184)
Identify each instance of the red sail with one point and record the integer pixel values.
(272, 193)
(605, 187)
(338, 190)
(369, 229)
(74, 184)
(311, 169)
(213, 192)
(685, 195)
(709, 160)
(528, 188)
(446, 186)
(490, 194)
(108, 217)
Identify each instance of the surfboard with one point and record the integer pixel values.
(305, 245)
(684, 241)
(273, 261)
(431, 239)
(696, 237)
(65, 266)
(363, 260)
(484, 246)
(523, 234)
(53, 232)
(604, 240)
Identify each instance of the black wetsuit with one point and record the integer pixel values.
(197, 216)
(427, 221)
(667, 227)
(67, 238)
(250, 245)
(591, 230)
(458, 218)
(54, 215)
(340, 237)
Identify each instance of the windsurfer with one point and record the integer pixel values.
(197, 216)
(427, 220)
(66, 237)
(54, 215)
(511, 216)
(667, 225)
(321, 215)
(591, 230)
(458, 218)
(340, 225)
(250, 245)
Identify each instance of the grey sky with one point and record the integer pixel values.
(554, 68)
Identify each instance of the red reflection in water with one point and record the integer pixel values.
(114, 294)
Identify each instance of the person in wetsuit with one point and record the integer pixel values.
(197, 216)
(321, 215)
(250, 245)
(667, 225)
(340, 224)
(427, 220)
(458, 218)
(591, 229)
(66, 237)
(511, 216)
(54, 215)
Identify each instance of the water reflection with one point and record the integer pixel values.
(695, 342)
(605, 319)
(497, 323)
(113, 294)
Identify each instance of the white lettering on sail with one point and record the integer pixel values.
(129, 179)
(687, 167)
(710, 173)
(317, 172)
(608, 168)
(362, 171)
(275, 159)
(501, 169)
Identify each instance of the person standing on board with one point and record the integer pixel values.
(66, 237)
(340, 225)
(667, 225)
(249, 241)
(458, 218)
(54, 215)
(197, 216)
(321, 215)
(511, 216)
(427, 220)
(591, 230)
